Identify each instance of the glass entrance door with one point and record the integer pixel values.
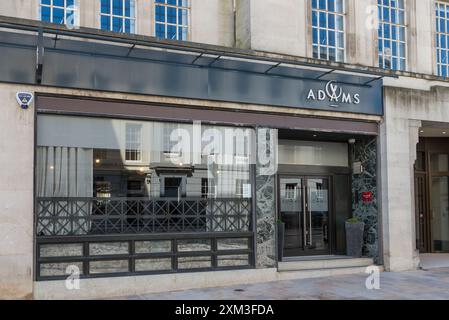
(304, 208)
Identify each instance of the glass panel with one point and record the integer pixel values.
(105, 23)
(328, 17)
(194, 245)
(313, 153)
(112, 266)
(172, 19)
(392, 30)
(106, 6)
(61, 250)
(153, 246)
(172, 188)
(440, 214)
(318, 215)
(110, 248)
(194, 262)
(291, 207)
(58, 16)
(153, 264)
(46, 14)
(439, 162)
(60, 269)
(232, 244)
(233, 261)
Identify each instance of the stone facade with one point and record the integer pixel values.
(365, 152)
(16, 196)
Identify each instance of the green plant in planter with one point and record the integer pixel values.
(354, 220)
(354, 236)
(279, 221)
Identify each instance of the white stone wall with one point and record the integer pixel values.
(275, 26)
(211, 21)
(405, 109)
(16, 195)
(279, 26)
(25, 9)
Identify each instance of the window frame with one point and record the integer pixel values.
(437, 34)
(52, 7)
(318, 45)
(136, 151)
(406, 34)
(111, 16)
(166, 23)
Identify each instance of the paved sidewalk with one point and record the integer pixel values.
(433, 284)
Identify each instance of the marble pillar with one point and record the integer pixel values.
(365, 152)
(266, 167)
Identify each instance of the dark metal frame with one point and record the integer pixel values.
(198, 51)
(429, 146)
(131, 238)
(131, 256)
(73, 216)
(331, 235)
(311, 172)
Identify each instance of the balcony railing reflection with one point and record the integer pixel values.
(91, 216)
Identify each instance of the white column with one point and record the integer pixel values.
(279, 26)
(145, 17)
(398, 153)
(421, 31)
(89, 13)
(212, 22)
(361, 32)
(16, 195)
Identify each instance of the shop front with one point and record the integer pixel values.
(155, 159)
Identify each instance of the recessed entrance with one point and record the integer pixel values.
(432, 191)
(305, 210)
(314, 193)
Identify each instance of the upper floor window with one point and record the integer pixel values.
(172, 19)
(442, 38)
(391, 34)
(56, 11)
(118, 15)
(133, 142)
(328, 29)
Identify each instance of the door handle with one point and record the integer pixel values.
(309, 200)
(304, 210)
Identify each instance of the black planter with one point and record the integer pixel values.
(354, 239)
(281, 232)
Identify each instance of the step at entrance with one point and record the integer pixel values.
(324, 263)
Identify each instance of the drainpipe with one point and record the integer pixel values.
(234, 12)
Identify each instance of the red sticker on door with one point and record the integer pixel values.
(367, 197)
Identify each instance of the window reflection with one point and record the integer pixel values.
(103, 158)
(328, 29)
(391, 34)
(172, 19)
(442, 34)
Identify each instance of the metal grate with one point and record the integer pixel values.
(125, 255)
(87, 216)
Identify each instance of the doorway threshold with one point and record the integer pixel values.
(313, 258)
(327, 262)
(430, 261)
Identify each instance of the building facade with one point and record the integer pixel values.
(173, 144)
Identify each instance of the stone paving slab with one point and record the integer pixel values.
(416, 285)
